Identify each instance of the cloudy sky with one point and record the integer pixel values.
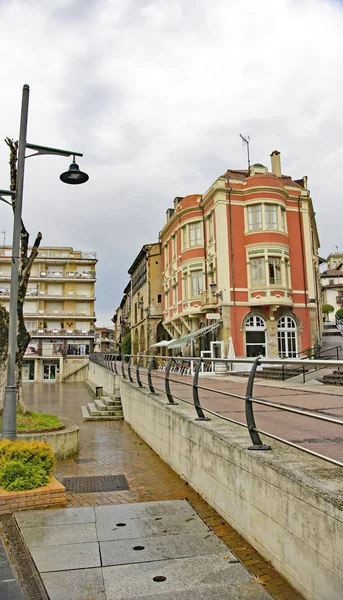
(155, 94)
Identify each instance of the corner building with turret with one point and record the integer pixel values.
(241, 262)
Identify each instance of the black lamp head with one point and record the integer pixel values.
(74, 176)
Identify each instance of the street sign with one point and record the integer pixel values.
(212, 316)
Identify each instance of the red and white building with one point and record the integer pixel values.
(243, 257)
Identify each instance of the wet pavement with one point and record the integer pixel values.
(112, 448)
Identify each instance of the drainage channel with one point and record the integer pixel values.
(20, 561)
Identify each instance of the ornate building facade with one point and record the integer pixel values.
(241, 262)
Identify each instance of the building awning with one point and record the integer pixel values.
(182, 341)
(161, 344)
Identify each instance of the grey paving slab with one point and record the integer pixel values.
(56, 535)
(11, 590)
(66, 557)
(6, 572)
(114, 529)
(187, 575)
(144, 509)
(82, 584)
(248, 590)
(161, 548)
(59, 516)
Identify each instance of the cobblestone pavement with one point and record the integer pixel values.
(319, 436)
(113, 448)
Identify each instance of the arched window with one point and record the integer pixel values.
(287, 337)
(255, 336)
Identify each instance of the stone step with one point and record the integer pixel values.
(96, 412)
(102, 406)
(331, 332)
(87, 417)
(276, 373)
(334, 378)
(109, 402)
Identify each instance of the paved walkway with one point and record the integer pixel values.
(111, 447)
(319, 436)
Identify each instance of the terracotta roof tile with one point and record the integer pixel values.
(242, 175)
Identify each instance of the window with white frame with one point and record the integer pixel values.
(195, 236)
(174, 247)
(270, 216)
(166, 255)
(258, 271)
(274, 270)
(270, 270)
(185, 285)
(255, 217)
(196, 283)
(210, 227)
(266, 216)
(184, 238)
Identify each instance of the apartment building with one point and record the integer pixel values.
(332, 283)
(240, 266)
(146, 296)
(104, 339)
(59, 309)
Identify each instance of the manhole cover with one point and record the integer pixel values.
(99, 483)
(84, 460)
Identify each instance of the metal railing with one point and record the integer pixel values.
(315, 353)
(152, 371)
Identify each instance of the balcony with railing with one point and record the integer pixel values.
(62, 333)
(64, 274)
(59, 312)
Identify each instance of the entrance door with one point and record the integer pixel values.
(255, 340)
(49, 372)
(287, 337)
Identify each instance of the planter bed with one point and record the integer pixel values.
(52, 495)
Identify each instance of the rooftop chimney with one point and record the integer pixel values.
(276, 163)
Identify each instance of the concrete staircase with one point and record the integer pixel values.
(334, 378)
(106, 407)
(70, 371)
(277, 374)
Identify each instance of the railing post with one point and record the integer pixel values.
(137, 372)
(129, 369)
(115, 364)
(151, 387)
(283, 372)
(200, 413)
(304, 378)
(167, 385)
(249, 412)
(122, 366)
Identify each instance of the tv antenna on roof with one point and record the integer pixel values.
(246, 142)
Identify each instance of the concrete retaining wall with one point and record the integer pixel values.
(286, 503)
(64, 443)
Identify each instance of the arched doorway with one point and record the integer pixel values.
(255, 336)
(287, 337)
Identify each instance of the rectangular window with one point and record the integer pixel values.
(184, 238)
(196, 279)
(185, 286)
(254, 217)
(258, 275)
(166, 256)
(274, 268)
(159, 298)
(210, 227)
(174, 246)
(270, 213)
(282, 219)
(195, 234)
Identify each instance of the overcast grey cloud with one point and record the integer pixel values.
(155, 94)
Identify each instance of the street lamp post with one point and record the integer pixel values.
(73, 176)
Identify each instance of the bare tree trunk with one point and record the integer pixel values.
(26, 261)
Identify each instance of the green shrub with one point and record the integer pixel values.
(16, 476)
(25, 463)
(339, 313)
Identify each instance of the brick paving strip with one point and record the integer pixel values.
(113, 448)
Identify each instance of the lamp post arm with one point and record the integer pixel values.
(9, 409)
(48, 150)
(6, 193)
